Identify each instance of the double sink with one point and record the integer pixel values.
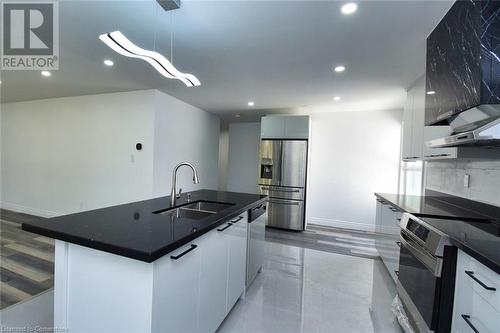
(195, 210)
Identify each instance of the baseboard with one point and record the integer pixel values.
(28, 210)
(342, 224)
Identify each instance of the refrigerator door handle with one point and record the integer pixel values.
(290, 203)
(281, 162)
(278, 190)
(278, 166)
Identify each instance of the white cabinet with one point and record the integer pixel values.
(413, 121)
(387, 223)
(272, 127)
(415, 134)
(297, 127)
(406, 148)
(223, 271)
(477, 297)
(191, 289)
(213, 279)
(237, 249)
(176, 285)
(418, 117)
(285, 127)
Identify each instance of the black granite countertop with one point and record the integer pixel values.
(433, 206)
(133, 230)
(480, 239)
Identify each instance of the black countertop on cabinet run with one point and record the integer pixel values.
(132, 230)
(481, 240)
(433, 206)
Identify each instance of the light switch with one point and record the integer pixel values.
(466, 180)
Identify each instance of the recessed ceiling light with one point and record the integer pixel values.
(336, 98)
(122, 45)
(251, 103)
(431, 92)
(46, 73)
(349, 8)
(108, 62)
(339, 69)
(237, 115)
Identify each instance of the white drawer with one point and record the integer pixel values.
(476, 312)
(482, 280)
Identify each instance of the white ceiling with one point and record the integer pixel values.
(279, 54)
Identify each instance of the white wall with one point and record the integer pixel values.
(448, 177)
(352, 155)
(243, 161)
(70, 154)
(184, 133)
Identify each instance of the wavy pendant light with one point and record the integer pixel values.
(122, 45)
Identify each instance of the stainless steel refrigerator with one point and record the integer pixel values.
(282, 176)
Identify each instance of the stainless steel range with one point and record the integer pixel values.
(282, 176)
(426, 274)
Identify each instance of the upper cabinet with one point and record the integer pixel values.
(413, 122)
(415, 134)
(285, 127)
(463, 66)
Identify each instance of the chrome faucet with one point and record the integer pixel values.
(173, 192)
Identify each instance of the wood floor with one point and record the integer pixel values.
(26, 260)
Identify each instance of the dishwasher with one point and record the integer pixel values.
(256, 241)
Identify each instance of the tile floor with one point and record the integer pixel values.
(304, 290)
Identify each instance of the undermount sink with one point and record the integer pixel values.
(196, 210)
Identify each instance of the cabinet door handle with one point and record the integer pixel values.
(239, 218)
(396, 272)
(467, 320)
(398, 243)
(227, 226)
(185, 252)
(481, 283)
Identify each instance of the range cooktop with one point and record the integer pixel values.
(480, 238)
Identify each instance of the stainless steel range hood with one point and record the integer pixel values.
(479, 126)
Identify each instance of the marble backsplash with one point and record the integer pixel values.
(448, 177)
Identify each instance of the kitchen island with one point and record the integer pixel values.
(150, 267)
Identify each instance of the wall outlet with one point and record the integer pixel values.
(466, 180)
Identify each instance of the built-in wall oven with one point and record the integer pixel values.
(426, 275)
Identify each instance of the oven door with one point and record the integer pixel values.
(419, 284)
